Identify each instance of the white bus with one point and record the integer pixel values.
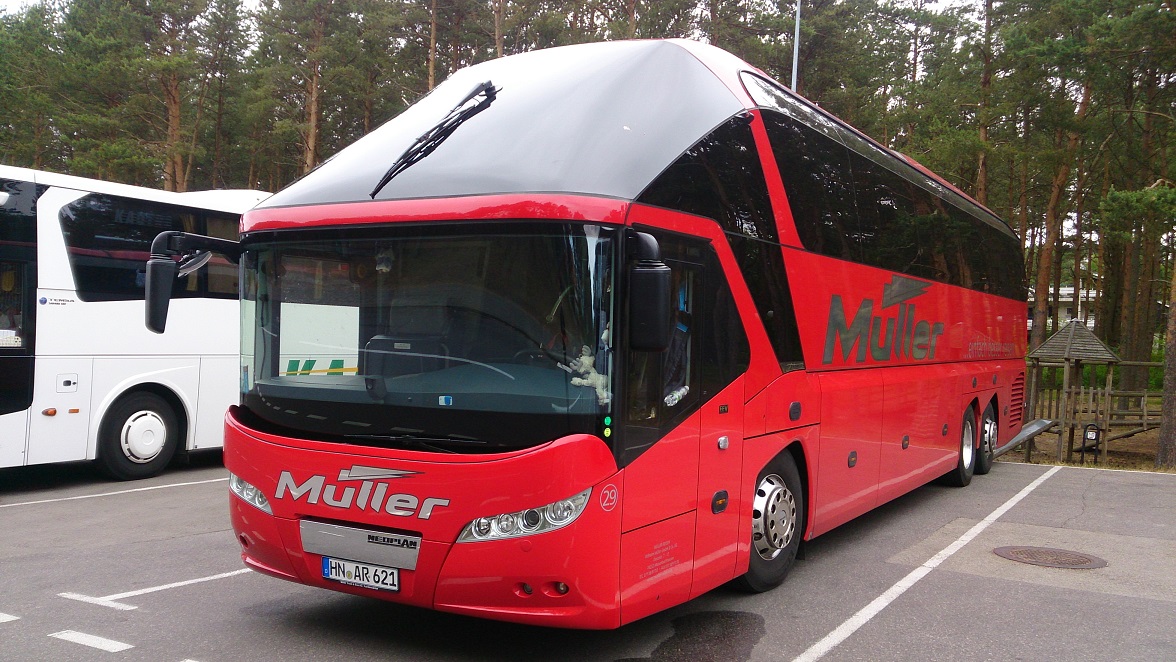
(80, 376)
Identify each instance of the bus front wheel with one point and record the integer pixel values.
(777, 524)
(138, 437)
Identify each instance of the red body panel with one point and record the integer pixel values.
(472, 208)
(932, 323)
(448, 576)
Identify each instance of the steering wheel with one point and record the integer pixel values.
(533, 355)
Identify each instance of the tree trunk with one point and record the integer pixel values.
(499, 10)
(1078, 241)
(985, 96)
(1166, 456)
(432, 44)
(314, 87)
(173, 165)
(313, 92)
(1053, 222)
(1110, 259)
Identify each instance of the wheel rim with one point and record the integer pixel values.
(988, 435)
(967, 443)
(143, 436)
(773, 517)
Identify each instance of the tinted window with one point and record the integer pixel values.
(818, 183)
(663, 387)
(762, 265)
(109, 239)
(903, 220)
(719, 177)
(18, 215)
(726, 353)
(909, 229)
(994, 261)
(602, 119)
(220, 273)
(768, 95)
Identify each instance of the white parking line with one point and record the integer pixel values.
(7, 618)
(101, 643)
(112, 600)
(855, 622)
(106, 494)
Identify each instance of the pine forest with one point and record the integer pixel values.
(1060, 115)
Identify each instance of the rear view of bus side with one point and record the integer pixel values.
(629, 322)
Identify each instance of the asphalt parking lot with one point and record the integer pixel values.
(149, 570)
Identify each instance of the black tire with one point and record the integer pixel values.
(138, 437)
(988, 432)
(778, 518)
(966, 464)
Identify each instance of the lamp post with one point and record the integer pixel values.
(796, 46)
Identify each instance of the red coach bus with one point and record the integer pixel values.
(622, 323)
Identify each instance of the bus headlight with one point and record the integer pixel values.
(249, 494)
(526, 522)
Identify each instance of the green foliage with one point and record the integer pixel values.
(267, 93)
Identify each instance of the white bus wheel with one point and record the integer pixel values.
(138, 437)
(988, 433)
(961, 475)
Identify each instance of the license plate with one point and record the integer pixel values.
(361, 574)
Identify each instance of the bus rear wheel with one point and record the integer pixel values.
(138, 437)
(777, 524)
(988, 432)
(966, 463)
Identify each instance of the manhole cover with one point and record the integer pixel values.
(1051, 558)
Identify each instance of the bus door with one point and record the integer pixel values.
(725, 354)
(60, 417)
(16, 358)
(663, 428)
(18, 287)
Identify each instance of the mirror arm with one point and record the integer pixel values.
(172, 242)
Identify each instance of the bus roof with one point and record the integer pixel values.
(598, 119)
(234, 201)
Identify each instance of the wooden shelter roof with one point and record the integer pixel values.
(1074, 342)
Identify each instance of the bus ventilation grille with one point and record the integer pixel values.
(1017, 406)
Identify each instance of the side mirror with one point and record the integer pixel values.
(649, 297)
(194, 251)
(161, 274)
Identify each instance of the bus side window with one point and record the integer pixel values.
(663, 387)
(222, 274)
(109, 239)
(12, 299)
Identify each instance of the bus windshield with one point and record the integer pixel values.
(449, 338)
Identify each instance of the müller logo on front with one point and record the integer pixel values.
(371, 494)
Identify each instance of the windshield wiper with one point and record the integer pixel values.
(413, 441)
(432, 138)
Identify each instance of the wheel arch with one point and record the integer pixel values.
(170, 396)
(974, 407)
(796, 450)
